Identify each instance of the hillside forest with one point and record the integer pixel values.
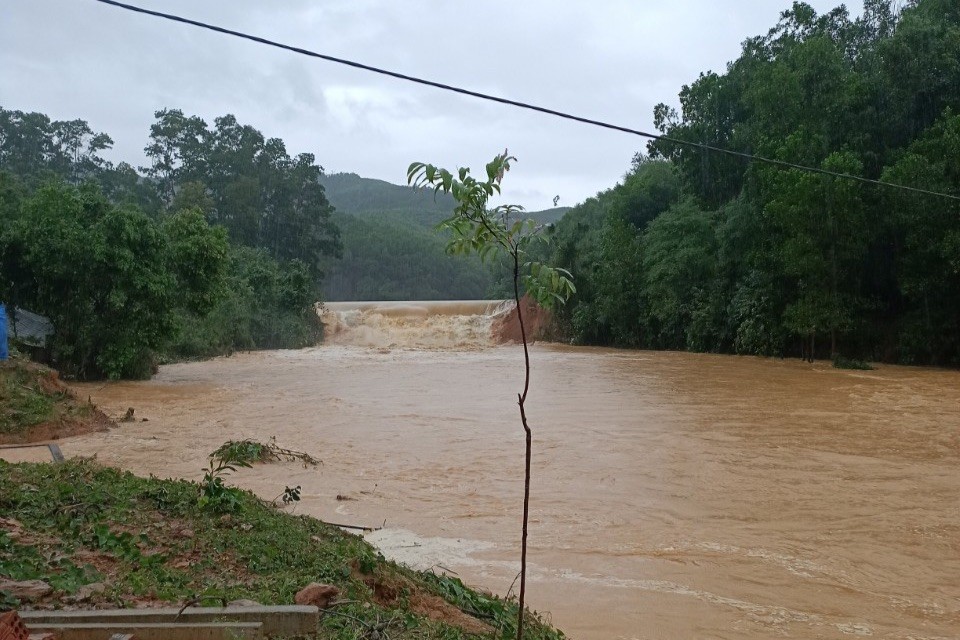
(708, 252)
(224, 240)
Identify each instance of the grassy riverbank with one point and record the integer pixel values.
(99, 537)
(35, 405)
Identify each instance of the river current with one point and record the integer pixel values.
(674, 495)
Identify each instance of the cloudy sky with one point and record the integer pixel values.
(609, 60)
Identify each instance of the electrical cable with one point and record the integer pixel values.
(523, 105)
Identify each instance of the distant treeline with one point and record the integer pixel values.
(708, 252)
(217, 245)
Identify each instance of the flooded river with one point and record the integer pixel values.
(674, 495)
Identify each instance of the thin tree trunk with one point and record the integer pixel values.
(835, 297)
(521, 398)
(834, 277)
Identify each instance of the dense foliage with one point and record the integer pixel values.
(705, 251)
(266, 304)
(217, 247)
(107, 276)
(245, 182)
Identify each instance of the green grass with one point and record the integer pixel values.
(149, 540)
(23, 403)
(36, 405)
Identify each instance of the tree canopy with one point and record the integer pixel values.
(706, 251)
(219, 245)
(245, 182)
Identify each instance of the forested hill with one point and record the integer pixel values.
(708, 252)
(367, 197)
(354, 195)
(390, 260)
(391, 250)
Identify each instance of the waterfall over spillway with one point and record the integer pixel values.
(434, 324)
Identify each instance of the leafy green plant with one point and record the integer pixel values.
(243, 453)
(248, 451)
(215, 495)
(500, 232)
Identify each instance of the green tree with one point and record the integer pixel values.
(265, 304)
(679, 267)
(197, 256)
(246, 182)
(230, 174)
(489, 232)
(35, 147)
(824, 243)
(928, 248)
(614, 310)
(103, 274)
(600, 241)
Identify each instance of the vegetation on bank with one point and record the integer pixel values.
(108, 538)
(36, 405)
(707, 252)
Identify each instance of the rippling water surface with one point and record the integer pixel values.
(674, 495)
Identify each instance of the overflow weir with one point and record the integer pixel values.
(434, 324)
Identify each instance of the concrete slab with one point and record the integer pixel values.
(146, 631)
(29, 453)
(293, 620)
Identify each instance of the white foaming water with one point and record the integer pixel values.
(435, 324)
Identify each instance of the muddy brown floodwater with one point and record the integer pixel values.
(674, 495)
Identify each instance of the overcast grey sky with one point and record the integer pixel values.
(610, 60)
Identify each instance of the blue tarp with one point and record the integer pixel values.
(4, 354)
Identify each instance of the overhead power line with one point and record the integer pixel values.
(523, 105)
